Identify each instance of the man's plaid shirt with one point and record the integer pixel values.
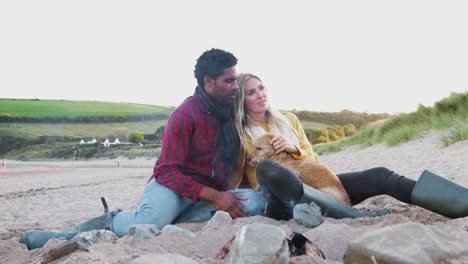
(188, 160)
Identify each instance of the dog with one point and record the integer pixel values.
(311, 171)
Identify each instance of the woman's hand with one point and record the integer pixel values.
(280, 144)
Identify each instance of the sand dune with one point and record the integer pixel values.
(58, 194)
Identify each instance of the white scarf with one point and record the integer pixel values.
(254, 131)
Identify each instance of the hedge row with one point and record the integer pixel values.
(329, 134)
(7, 118)
(8, 143)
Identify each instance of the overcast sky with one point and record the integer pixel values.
(374, 56)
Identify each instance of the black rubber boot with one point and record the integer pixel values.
(37, 239)
(286, 186)
(276, 208)
(440, 195)
(332, 208)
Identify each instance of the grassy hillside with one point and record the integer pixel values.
(75, 130)
(449, 113)
(62, 108)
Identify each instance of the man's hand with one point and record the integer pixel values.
(224, 201)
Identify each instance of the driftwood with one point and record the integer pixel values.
(224, 252)
(62, 250)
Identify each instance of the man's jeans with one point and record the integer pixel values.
(161, 206)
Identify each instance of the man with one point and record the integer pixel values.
(200, 143)
(199, 149)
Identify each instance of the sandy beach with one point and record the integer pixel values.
(59, 194)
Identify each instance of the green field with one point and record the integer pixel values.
(75, 130)
(63, 108)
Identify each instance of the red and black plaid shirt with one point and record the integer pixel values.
(187, 160)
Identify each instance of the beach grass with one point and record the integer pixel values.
(458, 132)
(449, 113)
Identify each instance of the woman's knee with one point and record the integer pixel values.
(380, 171)
(267, 170)
(279, 180)
(384, 175)
(271, 172)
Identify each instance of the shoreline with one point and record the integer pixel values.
(141, 162)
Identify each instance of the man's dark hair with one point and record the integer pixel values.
(212, 64)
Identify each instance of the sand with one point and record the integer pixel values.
(58, 194)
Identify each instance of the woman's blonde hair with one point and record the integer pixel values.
(277, 122)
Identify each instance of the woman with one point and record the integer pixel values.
(255, 116)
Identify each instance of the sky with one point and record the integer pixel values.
(365, 56)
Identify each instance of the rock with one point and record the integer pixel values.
(173, 228)
(411, 243)
(260, 243)
(143, 231)
(309, 215)
(333, 237)
(94, 237)
(163, 259)
(220, 218)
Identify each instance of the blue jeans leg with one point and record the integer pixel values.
(158, 205)
(202, 211)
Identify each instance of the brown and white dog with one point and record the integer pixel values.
(311, 171)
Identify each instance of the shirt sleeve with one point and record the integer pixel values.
(175, 147)
(305, 148)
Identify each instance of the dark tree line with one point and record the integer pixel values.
(7, 118)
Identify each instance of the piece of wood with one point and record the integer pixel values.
(61, 251)
(224, 252)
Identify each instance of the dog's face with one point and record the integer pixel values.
(262, 149)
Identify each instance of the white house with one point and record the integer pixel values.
(88, 142)
(106, 143)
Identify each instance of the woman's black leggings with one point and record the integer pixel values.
(361, 185)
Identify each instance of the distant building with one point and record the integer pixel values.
(107, 142)
(88, 142)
